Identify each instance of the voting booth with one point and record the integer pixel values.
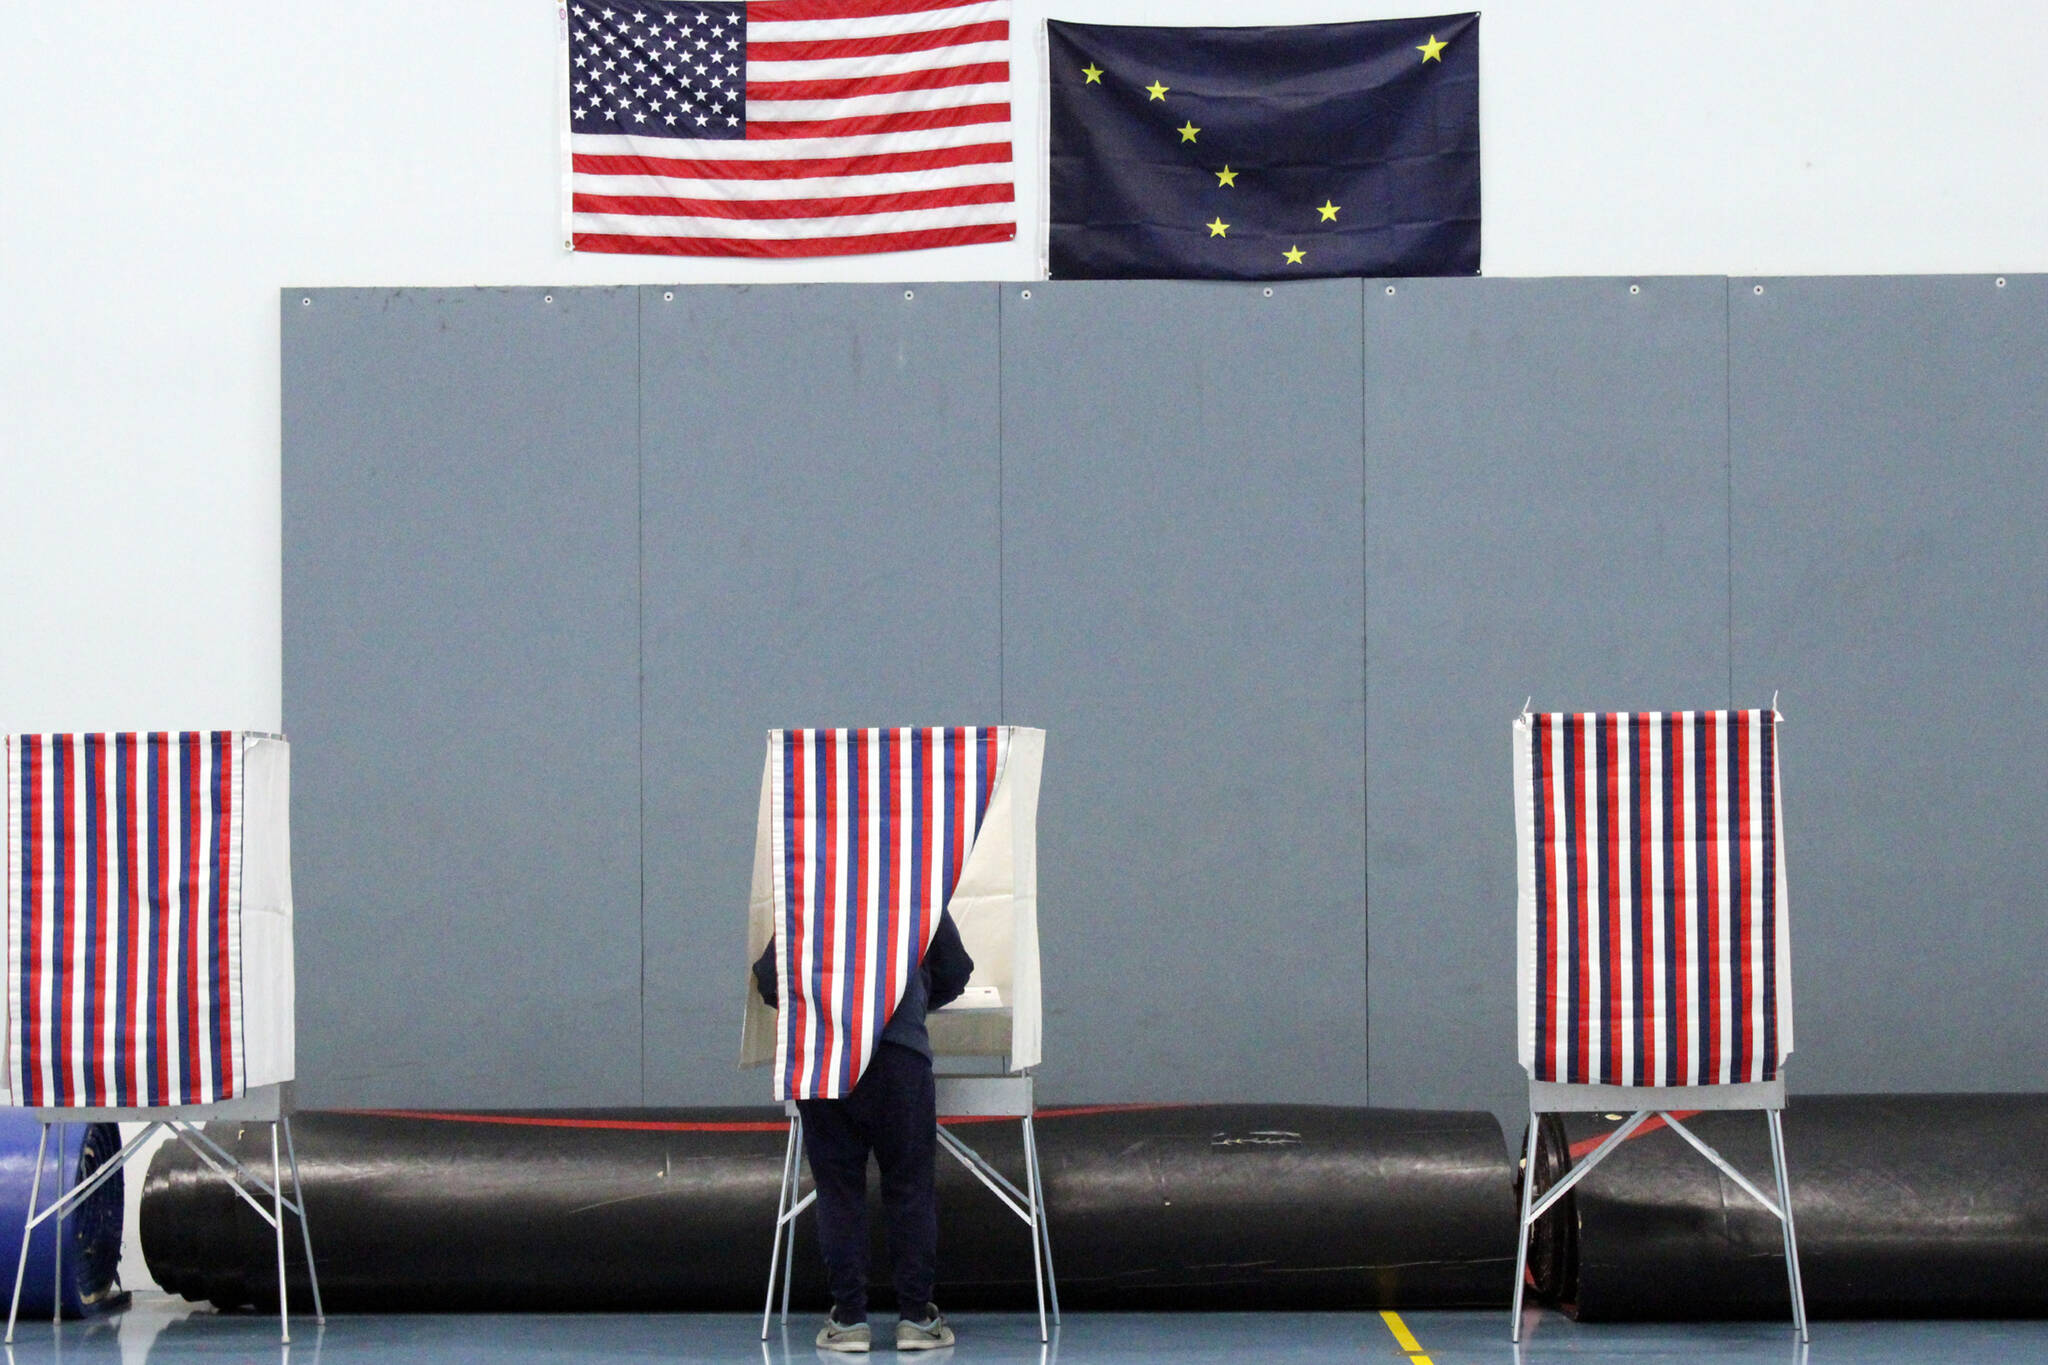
(149, 951)
(1654, 952)
(863, 838)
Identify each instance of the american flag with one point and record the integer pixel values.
(787, 127)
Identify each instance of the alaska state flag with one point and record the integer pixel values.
(1264, 153)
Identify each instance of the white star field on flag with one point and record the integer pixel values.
(657, 69)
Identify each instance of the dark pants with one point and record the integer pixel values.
(892, 1112)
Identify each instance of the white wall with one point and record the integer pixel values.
(164, 169)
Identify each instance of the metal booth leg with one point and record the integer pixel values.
(1044, 1228)
(1036, 1203)
(784, 1197)
(1522, 1233)
(35, 1191)
(775, 1249)
(796, 1179)
(1776, 1119)
(305, 1228)
(284, 1322)
(57, 1233)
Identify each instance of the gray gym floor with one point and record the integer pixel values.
(164, 1330)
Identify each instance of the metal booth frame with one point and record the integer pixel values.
(1547, 1097)
(960, 1095)
(262, 1104)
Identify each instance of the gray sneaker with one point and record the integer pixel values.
(926, 1335)
(837, 1336)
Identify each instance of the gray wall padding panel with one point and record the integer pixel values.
(821, 503)
(1547, 514)
(552, 569)
(1891, 576)
(1182, 614)
(460, 655)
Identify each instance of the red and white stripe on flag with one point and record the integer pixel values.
(870, 830)
(840, 127)
(124, 971)
(1653, 938)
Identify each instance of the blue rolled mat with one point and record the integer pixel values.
(92, 1249)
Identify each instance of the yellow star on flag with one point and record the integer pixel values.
(1227, 178)
(1217, 228)
(1187, 131)
(1093, 73)
(1294, 255)
(1329, 211)
(1432, 51)
(1157, 90)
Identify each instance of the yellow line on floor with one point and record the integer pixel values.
(1404, 1338)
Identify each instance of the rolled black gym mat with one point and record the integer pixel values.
(1906, 1206)
(1183, 1206)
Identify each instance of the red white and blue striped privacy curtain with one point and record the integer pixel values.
(1654, 949)
(124, 972)
(870, 829)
